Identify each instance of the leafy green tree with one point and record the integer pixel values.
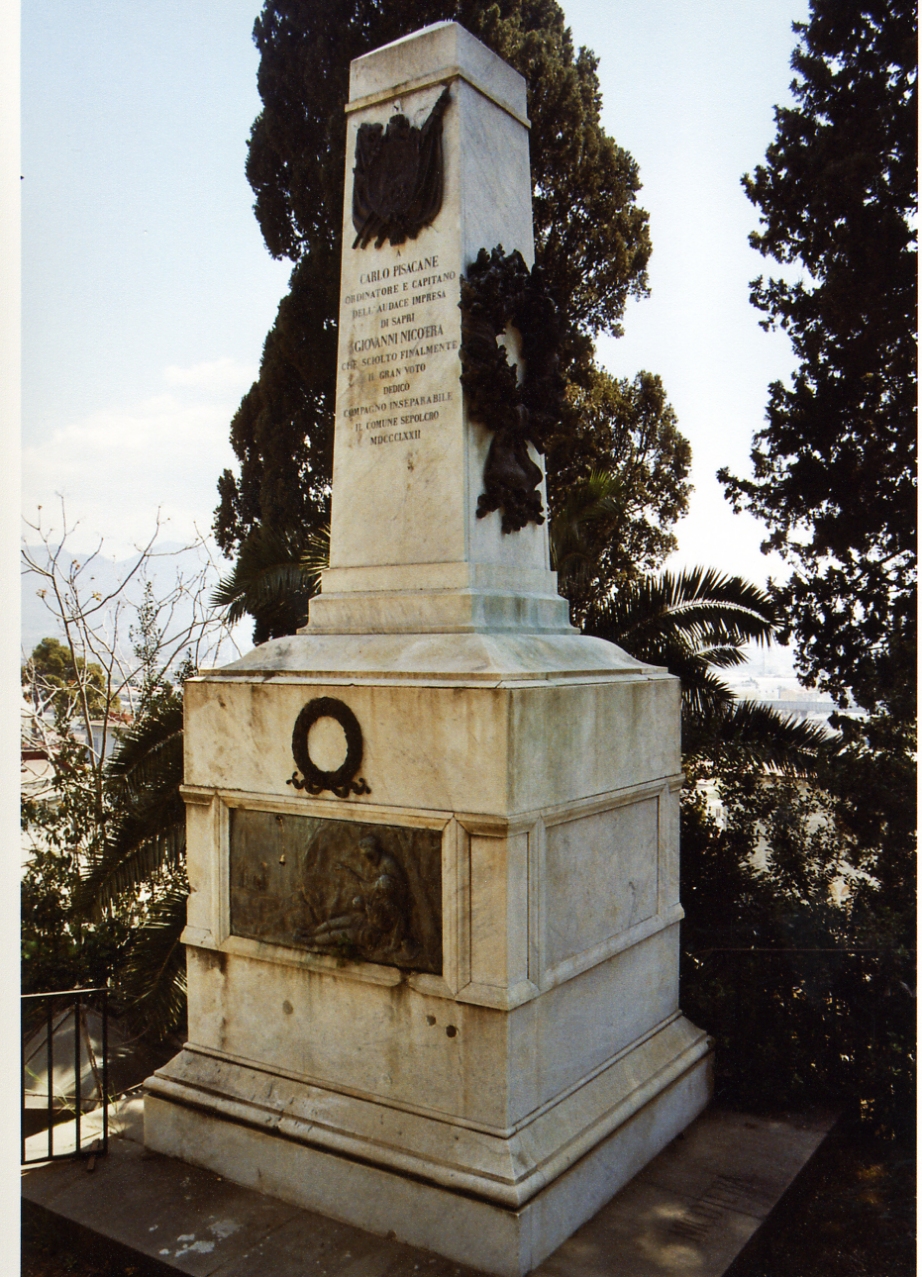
(104, 897)
(835, 464)
(138, 869)
(104, 890)
(592, 241)
(61, 948)
(104, 887)
(796, 952)
(790, 953)
(611, 525)
(54, 676)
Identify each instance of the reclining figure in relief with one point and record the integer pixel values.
(377, 927)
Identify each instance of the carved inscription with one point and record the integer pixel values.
(400, 329)
(404, 337)
(345, 888)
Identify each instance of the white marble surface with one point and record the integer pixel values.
(434, 49)
(486, 577)
(600, 876)
(525, 747)
(398, 483)
(379, 1039)
(508, 1166)
(548, 1038)
(442, 658)
(240, 1141)
(439, 611)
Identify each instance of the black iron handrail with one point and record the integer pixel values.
(75, 999)
(775, 948)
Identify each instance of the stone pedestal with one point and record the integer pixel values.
(433, 839)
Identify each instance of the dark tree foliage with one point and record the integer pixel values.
(273, 580)
(810, 999)
(592, 239)
(796, 955)
(835, 481)
(612, 525)
(695, 623)
(835, 464)
(104, 892)
(60, 947)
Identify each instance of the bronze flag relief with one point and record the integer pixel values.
(397, 187)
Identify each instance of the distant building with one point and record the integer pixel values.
(39, 742)
(787, 696)
(112, 730)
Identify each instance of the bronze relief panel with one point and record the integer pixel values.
(398, 177)
(340, 887)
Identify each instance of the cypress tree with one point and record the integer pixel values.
(835, 464)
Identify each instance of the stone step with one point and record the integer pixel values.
(690, 1211)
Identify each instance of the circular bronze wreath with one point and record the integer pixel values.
(314, 779)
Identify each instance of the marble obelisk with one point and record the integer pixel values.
(433, 927)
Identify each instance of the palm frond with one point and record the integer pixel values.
(597, 499)
(145, 832)
(272, 586)
(750, 733)
(152, 984)
(275, 577)
(703, 693)
(272, 567)
(722, 657)
(315, 556)
(700, 606)
(159, 726)
(695, 622)
(143, 844)
(152, 772)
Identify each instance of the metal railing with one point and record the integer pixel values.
(48, 1020)
(830, 1022)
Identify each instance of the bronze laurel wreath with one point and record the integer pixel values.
(313, 779)
(499, 291)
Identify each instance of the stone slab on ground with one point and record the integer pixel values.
(687, 1214)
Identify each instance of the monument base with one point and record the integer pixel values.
(439, 598)
(500, 1202)
(486, 1088)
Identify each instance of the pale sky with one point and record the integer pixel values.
(147, 290)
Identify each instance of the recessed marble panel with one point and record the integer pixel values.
(601, 877)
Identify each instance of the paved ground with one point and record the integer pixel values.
(851, 1213)
(690, 1212)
